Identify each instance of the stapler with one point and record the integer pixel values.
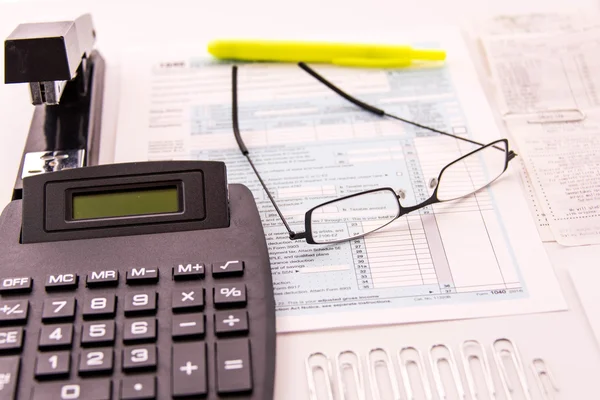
(66, 80)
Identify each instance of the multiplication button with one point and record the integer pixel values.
(188, 299)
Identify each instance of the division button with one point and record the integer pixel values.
(142, 275)
(188, 299)
(94, 389)
(139, 358)
(189, 369)
(234, 368)
(109, 277)
(138, 388)
(230, 295)
(99, 306)
(228, 268)
(53, 365)
(187, 326)
(11, 339)
(231, 322)
(56, 336)
(13, 311)
(187, 272)
(16, 285)
(61, 282)
(59, 309)
(9, 377)
(140, 303)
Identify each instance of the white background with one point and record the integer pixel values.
(563, 339)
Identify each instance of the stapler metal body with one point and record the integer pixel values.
(66, 80)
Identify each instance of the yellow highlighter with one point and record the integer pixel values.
(352, 55)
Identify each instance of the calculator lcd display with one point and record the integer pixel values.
(124, 203)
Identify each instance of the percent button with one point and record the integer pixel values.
(229, 295)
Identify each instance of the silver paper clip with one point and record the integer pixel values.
(540, 370)
(509, 349)
(418, 362)
(348, 360)
(473, 350)
(435, 368)
(379, 357)
(318, 362)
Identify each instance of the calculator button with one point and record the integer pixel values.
(230, 295)
(98, 333)
(234, 368)
(96, 361)
(95, 389)
(109, 277)
(16, 285)
(138, 388)
(54, 336)
(99, 307)
(231, 322)
(140, 303)
(188, 326)
(142, 275)
(11, 339)
(61, 282)
(13, 311)
(9, 377)
(140, 329)
(188, 272)
(139, 358)
(53, 365)
(228, 268)
(189, 369)
(188, 299)
(59, 309)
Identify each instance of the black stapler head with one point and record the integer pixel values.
(66, 81)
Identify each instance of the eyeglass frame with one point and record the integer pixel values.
(433, 199)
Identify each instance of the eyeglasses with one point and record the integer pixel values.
(354, 216)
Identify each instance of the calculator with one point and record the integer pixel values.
(135, 281)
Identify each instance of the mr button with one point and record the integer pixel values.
(14, 285)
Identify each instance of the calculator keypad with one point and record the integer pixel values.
(102, 338)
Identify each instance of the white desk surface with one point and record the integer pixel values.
(563, 339)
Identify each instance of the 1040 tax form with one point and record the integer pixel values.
(474, 257)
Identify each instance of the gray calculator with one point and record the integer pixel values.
(135, 281)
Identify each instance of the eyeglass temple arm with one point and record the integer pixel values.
(245, 152)
(375, 110)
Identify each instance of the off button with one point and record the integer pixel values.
(14, 285)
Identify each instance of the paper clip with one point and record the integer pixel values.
(418, 362)
(314, 362)
(513, 353)
(479, 356)
(353, 363)
(437, 377)
(383, 360)
(540, 370)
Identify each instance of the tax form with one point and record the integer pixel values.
(549, 95)
(474, 257)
